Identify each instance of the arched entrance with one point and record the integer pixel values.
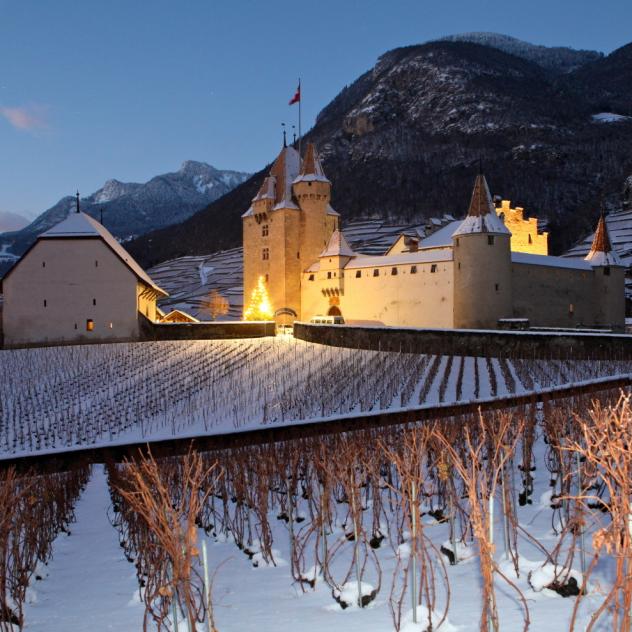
(334, 310)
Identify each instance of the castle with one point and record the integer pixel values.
(487, 270)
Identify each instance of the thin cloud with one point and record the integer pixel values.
(29, 118)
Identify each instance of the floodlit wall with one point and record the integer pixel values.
(524, 232)
(422, 299)
(62, 284)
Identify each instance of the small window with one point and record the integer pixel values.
(111, 326)
(376, 272)
(394, 271)
(298, 255)
(433, 267)
(311, 277)
(43, 264)
(44, 302)
(94, 301)
(329, 275)
(606, 271)
(497, 287)
(571, 309)
(76, 326)
(267, 277)
(358, 274)
(530, 239)
(89, 324)
(457, 241)
(96, 264)
(490, 240)
(413, 269)
(265, 255)
(264, 230)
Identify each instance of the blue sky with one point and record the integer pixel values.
(91, 90)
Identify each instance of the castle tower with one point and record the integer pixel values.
(312, 190)
(482, 264)
(333, 259)
(608, 280)
(286, 228)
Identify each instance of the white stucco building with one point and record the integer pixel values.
(76, 284)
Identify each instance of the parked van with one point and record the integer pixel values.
(327, 320)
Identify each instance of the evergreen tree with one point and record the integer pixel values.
(259, 307)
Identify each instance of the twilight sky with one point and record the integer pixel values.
(91, 90)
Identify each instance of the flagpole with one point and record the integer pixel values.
(300, 134)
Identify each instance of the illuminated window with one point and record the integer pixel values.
(264, 230)
(394, 271)
(358, 274)
(111, 325)
(265, 255)
(376, 272)
(89, 324)
(413, 269)
(490, 240)
(433, 267)
(571, 309)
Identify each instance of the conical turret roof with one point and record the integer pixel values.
(312, 170)
(601, 252)
(337, 246)
(481, 216)
(278, 185)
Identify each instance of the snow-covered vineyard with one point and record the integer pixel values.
(517, 520)
(55, 399)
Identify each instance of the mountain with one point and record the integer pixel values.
(404, 140)
(12, 221)
(130, 209)
(555, 58)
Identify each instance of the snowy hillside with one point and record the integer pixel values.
(559, 58)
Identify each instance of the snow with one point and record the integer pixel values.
(599, 258)
(90, 585)
(402, 258)
(609, 117)
(337, 246)
(550, 261)
(543, 576)
(488, 223)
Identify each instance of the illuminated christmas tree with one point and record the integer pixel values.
(259, 307)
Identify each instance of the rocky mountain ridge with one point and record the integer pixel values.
(130, 209)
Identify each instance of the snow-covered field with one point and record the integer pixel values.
(90, 586)
(57, 399)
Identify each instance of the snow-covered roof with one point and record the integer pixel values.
(266, 191)
(481, 216)
(601, 252)
(330, 211)
(441, 238)
(552, 262)
(80, 225)
(277, 186)
(337, 246)
(312, 170)
(402, 258)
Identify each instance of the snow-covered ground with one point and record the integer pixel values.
(64, 398)
(91, 587)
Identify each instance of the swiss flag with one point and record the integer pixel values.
(297, 96)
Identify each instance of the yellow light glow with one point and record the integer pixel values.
(259, 307)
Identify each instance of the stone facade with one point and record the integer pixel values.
(524, 232)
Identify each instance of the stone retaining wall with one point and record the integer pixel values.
(469, 342)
